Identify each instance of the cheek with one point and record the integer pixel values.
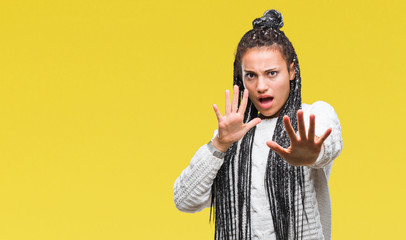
(250, 87)
(283, 89)
(286, 90)
(250, 97)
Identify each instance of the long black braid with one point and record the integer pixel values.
(231, 189)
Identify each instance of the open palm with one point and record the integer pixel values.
(231, 126)
(305, 148)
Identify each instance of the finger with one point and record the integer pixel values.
(301, 125)
(324, 137)
(236, 95)
(277, 148)
(244, 101)
(310, 136)
(228, 108)
(252, 123)
(218, 114)
(289, 130)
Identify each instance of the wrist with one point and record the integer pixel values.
(222, 147)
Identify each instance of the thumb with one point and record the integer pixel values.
(276, 147)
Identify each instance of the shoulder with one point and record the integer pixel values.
(325, 117)
(318, 107)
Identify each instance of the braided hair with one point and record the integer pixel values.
(284, 183)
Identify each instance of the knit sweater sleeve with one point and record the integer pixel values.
(192, 189)
(325, 117)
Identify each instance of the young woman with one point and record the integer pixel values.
(265, 172)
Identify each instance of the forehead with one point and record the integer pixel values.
(262, 58)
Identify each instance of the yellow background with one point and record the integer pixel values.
(104, 103)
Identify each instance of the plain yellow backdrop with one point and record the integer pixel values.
(104, 103)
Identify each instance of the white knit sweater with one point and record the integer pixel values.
(192, 189)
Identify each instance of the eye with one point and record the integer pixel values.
(272, 73)
(249, 75)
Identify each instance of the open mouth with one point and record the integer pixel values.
(265, 100)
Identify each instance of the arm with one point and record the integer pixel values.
(192, 189)
(193, 186)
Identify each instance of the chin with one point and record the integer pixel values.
(270, 113)
(267, 113)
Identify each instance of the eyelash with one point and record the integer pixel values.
(273, 72)
(248, 74)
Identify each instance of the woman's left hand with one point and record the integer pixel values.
(303, 150)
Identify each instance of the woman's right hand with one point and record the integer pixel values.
(231, 127)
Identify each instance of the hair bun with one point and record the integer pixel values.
(272, 19)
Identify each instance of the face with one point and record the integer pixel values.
(266, 77)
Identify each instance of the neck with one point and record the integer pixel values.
(266, 117)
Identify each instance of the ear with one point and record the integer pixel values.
(292, 71)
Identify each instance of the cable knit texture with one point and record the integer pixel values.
(192, 189)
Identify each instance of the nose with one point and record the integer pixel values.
(262, 85)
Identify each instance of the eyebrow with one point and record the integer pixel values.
(271, 69)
